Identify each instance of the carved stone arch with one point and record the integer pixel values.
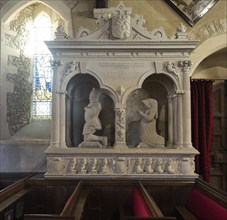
(107, 90)
(110, 92)
(204, 50)
(78, 87)
(159, 86)
(11, 8)
(171, 77)
(176, 84)
(66, 80)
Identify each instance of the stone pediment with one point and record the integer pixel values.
(116, 23)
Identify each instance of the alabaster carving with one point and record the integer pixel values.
(92, 122)
(93, 166)
(104, 166)
(120, 165)
(123, 25)
(169, 167)
(148, 166)
(148, 134)
(171, 68)
(56, 165)
(158, 166)
(140, 166)
(73, 165)
(73, 66)
(60, 33)
(187, 166)
(121, 22)
(82, 166)
(128, 63)
(182, 28)
(120, 125)
(57, 63)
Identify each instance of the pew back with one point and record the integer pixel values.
(204, 202)
(12, 199)
(73, 208)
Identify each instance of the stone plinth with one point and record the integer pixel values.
(122, 163)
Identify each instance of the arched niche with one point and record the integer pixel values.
(158, 87)
(78, 90)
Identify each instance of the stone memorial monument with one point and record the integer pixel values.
(124, 70)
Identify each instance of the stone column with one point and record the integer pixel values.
(62, 113)
(175, 113)
(180, 125)
(186, 102)
(120, 126)
(170, 122)
(55, 122)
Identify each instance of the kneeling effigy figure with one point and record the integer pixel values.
(148, 134)
(92, 122)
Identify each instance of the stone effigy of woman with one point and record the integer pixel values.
(148, 133)
(92, 122)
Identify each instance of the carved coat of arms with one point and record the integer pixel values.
(121, 26)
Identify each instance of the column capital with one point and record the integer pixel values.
(180, 92)
(185, 65)
(120, 106)
(57, 63)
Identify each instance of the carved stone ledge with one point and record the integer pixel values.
(131, 165)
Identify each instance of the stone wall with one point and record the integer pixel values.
(18, 103)
(19, 100)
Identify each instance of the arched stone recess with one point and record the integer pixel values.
(74, 68)
(78, 90)
(163, 88)
(73, 76)
(204, 50)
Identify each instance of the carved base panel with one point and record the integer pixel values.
(154, 163)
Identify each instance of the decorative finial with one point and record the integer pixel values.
(60, 33)
(181, 28)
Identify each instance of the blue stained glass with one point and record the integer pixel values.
(42, 96)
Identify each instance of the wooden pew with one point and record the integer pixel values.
(213, 202)
(12, 198)
(13, 188)
(76, 204)
(73, 208)
(46, 217)
(149, 203)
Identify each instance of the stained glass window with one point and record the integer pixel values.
(42, 96)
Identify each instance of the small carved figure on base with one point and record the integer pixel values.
(92, 122)
(148, 134)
